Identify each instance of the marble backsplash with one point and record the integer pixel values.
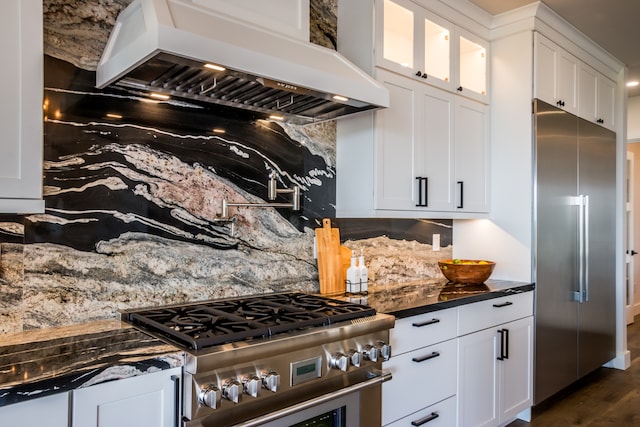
(133, 203)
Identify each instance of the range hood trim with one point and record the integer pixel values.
(147, 28)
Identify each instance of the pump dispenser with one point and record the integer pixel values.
(353, 276)
(364, 275)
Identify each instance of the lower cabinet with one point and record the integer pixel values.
(495, 374)
(50, 411)
(148, 400)
(468, 366)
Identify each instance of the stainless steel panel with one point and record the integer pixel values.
(597, 179)
(556, 251)
(574, 266)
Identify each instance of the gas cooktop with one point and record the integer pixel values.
(208, 323)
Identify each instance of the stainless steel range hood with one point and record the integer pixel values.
(166, 46)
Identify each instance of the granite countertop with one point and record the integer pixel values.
(413, 298)
(46, 361)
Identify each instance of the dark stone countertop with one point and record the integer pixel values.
(413, 298)
(53, 360)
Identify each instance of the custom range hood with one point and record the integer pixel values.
(184, 49)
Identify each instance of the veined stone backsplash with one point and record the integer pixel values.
(133, 203)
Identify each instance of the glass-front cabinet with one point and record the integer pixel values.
(419, 44)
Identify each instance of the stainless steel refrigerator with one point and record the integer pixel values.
(574, 251)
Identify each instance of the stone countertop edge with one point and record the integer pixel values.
(411, 299)
(43, 362)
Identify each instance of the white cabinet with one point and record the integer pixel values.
(441, 414)
(143, 401)
(432, 150)
(495, 351)
(21, 84)
(555, 75)
(50, 411)
(596, 97)
(421, 45)
(423, 366)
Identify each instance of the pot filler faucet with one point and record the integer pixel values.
(273, 192)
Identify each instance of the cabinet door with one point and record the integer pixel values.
(567, 76)
(516, 370)
(545, 66)
(144, 401)
(21, 85)
(606, 102)
(472, 68)
(395, 144)
(471, 156)
(434, 151)
(50, 411)
(588, 93)
(420, 378)
(477, 379)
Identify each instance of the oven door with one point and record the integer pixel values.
(350, 406)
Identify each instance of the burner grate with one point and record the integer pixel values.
(205, 324)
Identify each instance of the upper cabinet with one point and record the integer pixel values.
(563, 80)
(21, 84)
(416, 43)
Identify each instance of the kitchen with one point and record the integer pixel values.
(101, 247)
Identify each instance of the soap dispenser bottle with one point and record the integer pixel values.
(353, 276)
(364, 275)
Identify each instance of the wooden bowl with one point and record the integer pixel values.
(466, 271)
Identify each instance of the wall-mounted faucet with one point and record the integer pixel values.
(272, 193)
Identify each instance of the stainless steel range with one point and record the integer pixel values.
(282, 359)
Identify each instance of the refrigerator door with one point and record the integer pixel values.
(597, 180)
(556, 249)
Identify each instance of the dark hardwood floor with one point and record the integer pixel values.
(607, 397)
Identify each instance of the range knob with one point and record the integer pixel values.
(355, 358)
(270, 380)
(251, 385)
(370, 352)
(210, 396)
(231, 390)
(384, 350)
(339, 361)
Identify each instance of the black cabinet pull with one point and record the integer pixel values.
(504, 304)
(427, 357)
(461, 184)
(459, 89)
(176, 398)
(423, 191)
(432, 416)
(560, 103)
(426, 323)
(504, 344)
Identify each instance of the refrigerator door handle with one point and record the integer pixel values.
(585, 273)
(579, 294)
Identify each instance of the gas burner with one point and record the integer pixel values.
(205, 324)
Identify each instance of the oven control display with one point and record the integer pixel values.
(306, 370)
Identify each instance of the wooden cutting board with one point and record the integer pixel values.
(330, 271)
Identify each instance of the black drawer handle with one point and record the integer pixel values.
(426, 323)
(504, 304)
(427, 357)
(426, 419)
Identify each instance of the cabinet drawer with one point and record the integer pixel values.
(420, 379)
(419, 331)
(442, 414)
(484, 314)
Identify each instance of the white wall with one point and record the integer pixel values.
(633, 118)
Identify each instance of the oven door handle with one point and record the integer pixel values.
(378, 379)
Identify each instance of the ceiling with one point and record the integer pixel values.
(613, 24)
